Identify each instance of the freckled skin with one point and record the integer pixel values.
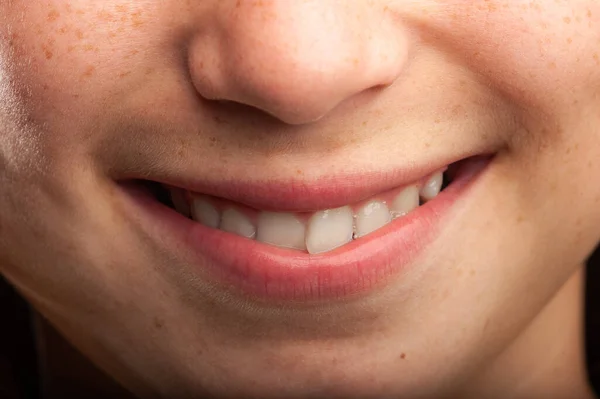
(91, 91)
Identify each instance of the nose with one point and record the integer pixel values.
(295, 60)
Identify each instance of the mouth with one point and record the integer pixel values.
(274, 242)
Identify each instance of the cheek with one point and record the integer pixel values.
(68, 58)
(540, 54)
(544, 58)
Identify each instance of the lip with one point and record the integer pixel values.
(273, 274)
(299, 195)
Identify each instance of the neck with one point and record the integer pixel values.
(547, 360)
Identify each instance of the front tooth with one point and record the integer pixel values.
(329, 229)
(236, 222)
(405, 201)
(281, 229)
(371, 217)
(433, 186)
(204, 212)
(179, 202)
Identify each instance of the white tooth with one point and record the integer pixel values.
(329, 229)
(236, 222)
(204, 212)
(433, 186)
(179, 202)
(405, 201)
(371, 217)
(281, 229)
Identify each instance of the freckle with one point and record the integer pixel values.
(136, 19)
(596, 58)
(53, 16)
(567, 20)
(79, 34)
(552, 65)
(457, 109)
(48, 54)
(403, 356)
(89, 71)
(158, 323)
(299, 172)
(569, 40)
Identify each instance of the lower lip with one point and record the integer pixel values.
(265, 272)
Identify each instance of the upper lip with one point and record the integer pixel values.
(301, 195)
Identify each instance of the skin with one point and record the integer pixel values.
(93, 92)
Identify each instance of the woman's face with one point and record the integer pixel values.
(297, 107)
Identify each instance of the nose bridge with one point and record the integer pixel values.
(296, 60)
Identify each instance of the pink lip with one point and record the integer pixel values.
(297, 195)
(269, 273)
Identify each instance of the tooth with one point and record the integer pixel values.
(204, 212)
(432, 187)
(179, 202)
(405, 201)
(329, 229)
(235, 222)
(281, 229)
(371, 217)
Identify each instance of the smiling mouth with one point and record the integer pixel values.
(307, 255)
(315, 232)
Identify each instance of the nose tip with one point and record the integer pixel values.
(296, 61)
